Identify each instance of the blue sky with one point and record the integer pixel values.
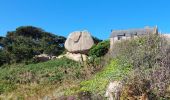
(97, 16)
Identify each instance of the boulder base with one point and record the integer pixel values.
(76, 57)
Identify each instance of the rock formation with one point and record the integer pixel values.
(79, 42)
(75, 57)
(44, 57)
(114, 90)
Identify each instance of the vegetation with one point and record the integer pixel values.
(100, 49)
(26, 42)
(149, 57)
(96, 40)
(114, 71)
(4, 57)
(142, 64)
(47, 73)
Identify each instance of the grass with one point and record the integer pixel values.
(33, 79)
(57, 78)
(98, 83)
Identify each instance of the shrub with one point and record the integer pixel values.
(4, 57)
(100, 49)
(149, 56)
(96, 40)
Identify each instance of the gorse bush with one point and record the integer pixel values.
(100, 49)
(142, 50)
(149, 57)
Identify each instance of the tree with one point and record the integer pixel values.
(96, 40)
(27, 41)
(1, 41)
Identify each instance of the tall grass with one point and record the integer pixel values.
(53, 72)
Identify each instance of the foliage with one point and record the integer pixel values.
(149, 56)
(4, 57)
(27, 41)
(114, 71)
(51, 72)
(1, 41)
(96, 40)
(59, 73)
(143, 63)
(100, 49)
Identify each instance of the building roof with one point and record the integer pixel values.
(131, 32)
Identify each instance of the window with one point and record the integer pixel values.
(119, 37)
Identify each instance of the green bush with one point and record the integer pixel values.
(4, 57)
(100, 49)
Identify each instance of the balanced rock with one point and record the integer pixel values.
(79, 42)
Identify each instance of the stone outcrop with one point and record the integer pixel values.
(113, 90)
(75, 57)
(79, 42)
(44, 57)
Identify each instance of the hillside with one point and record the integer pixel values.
(36, 80)
(141, 66)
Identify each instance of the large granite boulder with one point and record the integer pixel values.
(79, 42)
